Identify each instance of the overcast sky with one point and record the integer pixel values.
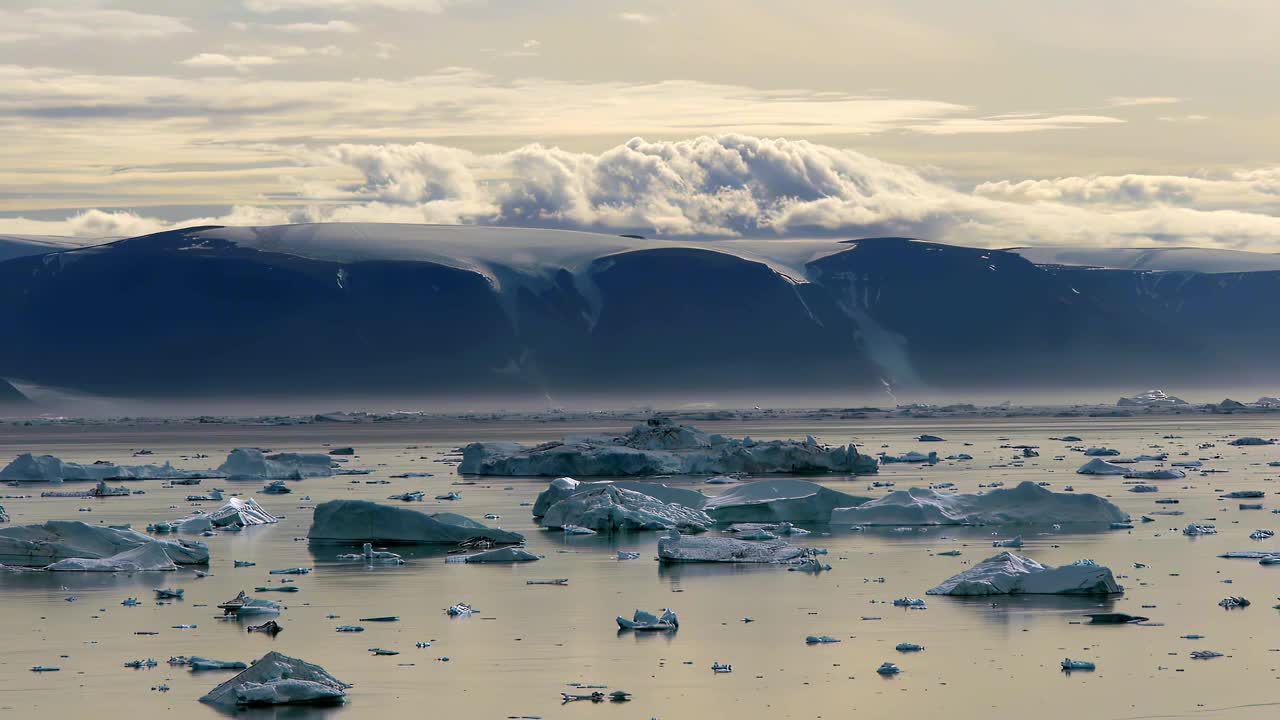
(1002, 122)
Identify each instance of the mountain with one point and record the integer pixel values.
(442, 310)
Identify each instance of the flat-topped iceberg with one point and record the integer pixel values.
(611, 508)
(47, 468)
(771, 501)
(42, 545)
(253, 464)
(1011, 574)
(361, 521)
(563, 487)
(1157, 474)
(277, 679)
(677, 548)
(1025, 504)
(661, 447)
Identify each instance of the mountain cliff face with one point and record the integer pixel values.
(419, 309)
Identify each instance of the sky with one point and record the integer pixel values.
(993, 123)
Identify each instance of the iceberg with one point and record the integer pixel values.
(1239, 442)
(4, 517)
(773, 501)
(611, 508)
(361, 521)
(910, 457)
(1027, 503)
(57, 540)
(1151, 398)
(1011, 574)
(1101, 452)
(677, 548)
(647, 621)
(47, 468)
(661, 447)
(1098, 466)
(1159, 474)
(277, 679)
(563, 487)
(502, 555)
(142, 558)
(253, 464)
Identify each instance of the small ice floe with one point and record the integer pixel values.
(139, 664)
(914, 603)
(243, 606)
(820, 640)
(451, 495)
(381, 651)
(810, 565)
(169, 593)
(44, 669)
(929, 438)
(414, 496)
(130, 602)
(1261, 534)
(1243, 441)
(888, 668)
(1013, 542)
(349, 629)
(270, 627)
(244, 563)
(577, 530)
(459, 610)
(1115, 618)
(1101, 452)
(1199, 529)
(277, 588)
(381, 618)
(492, 516)
(555, 581)
(199, 664)
(721, 480)
(1234, 601)
(628, 555)
(1068, 664)
(648, 622)
(949, 553)
(908, 647)
(910, 457)
(719, 667)
(290, 571)
(1205, 655)
(277, 487)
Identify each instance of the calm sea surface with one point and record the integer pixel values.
(982, 659)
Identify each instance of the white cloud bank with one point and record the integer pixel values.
(57, 25)
(739, 185)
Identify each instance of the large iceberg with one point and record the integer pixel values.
(361, 521)
(1010, 574)
(47, 468)
(277, 679)
(770, 501)
(1025, 504)
(677, 548)
(563, 487)
(611, 508)
(661, 447)
(151, 556)
(41, 545)
(235, 513)
(253, 464)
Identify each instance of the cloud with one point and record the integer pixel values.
(735, 185)
(425, 6)
(1018, 123)
(1127, 101)
(332, 26)
(52, 24)
(241, 63)
(635, 17)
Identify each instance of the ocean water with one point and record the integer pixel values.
(983, 658)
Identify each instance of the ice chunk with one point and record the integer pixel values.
(772, 501)
(1028, 503)
(1151, 398)
(502, 555)
(277, 679)
(1159, 474)
(361, 521)
(1101, 452)
(910, 457)
(47, 468)
(1011, 574)
(820, 640)
(1013, 542)
(661, 447)
(564, 487)
(677, 548)
(610, 508)
(1098, 466)
(1240, 441)
(1199, 529)
(40, 545)
(1069, 664)
(253, 464)
(646, 621)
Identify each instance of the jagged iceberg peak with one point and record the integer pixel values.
(1012, 574)
(661, 447)
(1151, 398)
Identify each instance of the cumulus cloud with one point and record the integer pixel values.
(332, 26)
(241, 63)
(1132, 101)
(54, 24)
(741, 186)
(635, 17)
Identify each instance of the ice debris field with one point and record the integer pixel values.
(729, 567)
